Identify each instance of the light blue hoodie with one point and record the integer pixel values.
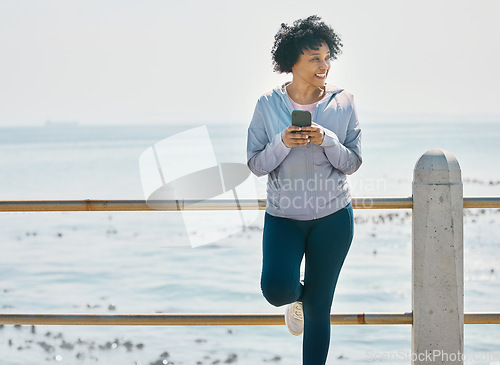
(305, 182)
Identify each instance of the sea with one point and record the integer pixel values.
(143, 262)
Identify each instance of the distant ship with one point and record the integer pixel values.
(64, 123)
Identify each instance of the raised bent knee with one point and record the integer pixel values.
(276, 295)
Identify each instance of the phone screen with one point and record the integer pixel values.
(301, 118)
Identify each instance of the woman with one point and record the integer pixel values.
(308, 210)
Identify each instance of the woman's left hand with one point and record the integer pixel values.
(316, 133)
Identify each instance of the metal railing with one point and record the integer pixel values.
(213, 204)
(222, 319)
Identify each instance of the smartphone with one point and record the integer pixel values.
(301, 118)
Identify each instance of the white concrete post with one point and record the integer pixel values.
(437, 260)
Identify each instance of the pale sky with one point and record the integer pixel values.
(157, 62)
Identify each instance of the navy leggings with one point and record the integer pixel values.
(324, 242)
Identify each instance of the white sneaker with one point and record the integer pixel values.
(294, 318)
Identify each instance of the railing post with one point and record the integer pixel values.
(437, 260)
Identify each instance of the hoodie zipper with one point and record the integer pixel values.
(284, 98)
(315, 193)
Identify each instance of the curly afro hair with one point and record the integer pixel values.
(308, 33)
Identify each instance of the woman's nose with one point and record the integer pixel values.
(325, 65)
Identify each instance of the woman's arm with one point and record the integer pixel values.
(345, 157)
(263, 154)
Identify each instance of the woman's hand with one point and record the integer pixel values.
(304, 135)
(316, 133)
(294, 137)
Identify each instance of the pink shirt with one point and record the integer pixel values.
(309, 107)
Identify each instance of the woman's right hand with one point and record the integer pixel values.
(291, 139)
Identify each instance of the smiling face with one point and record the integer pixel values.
(311, 69)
